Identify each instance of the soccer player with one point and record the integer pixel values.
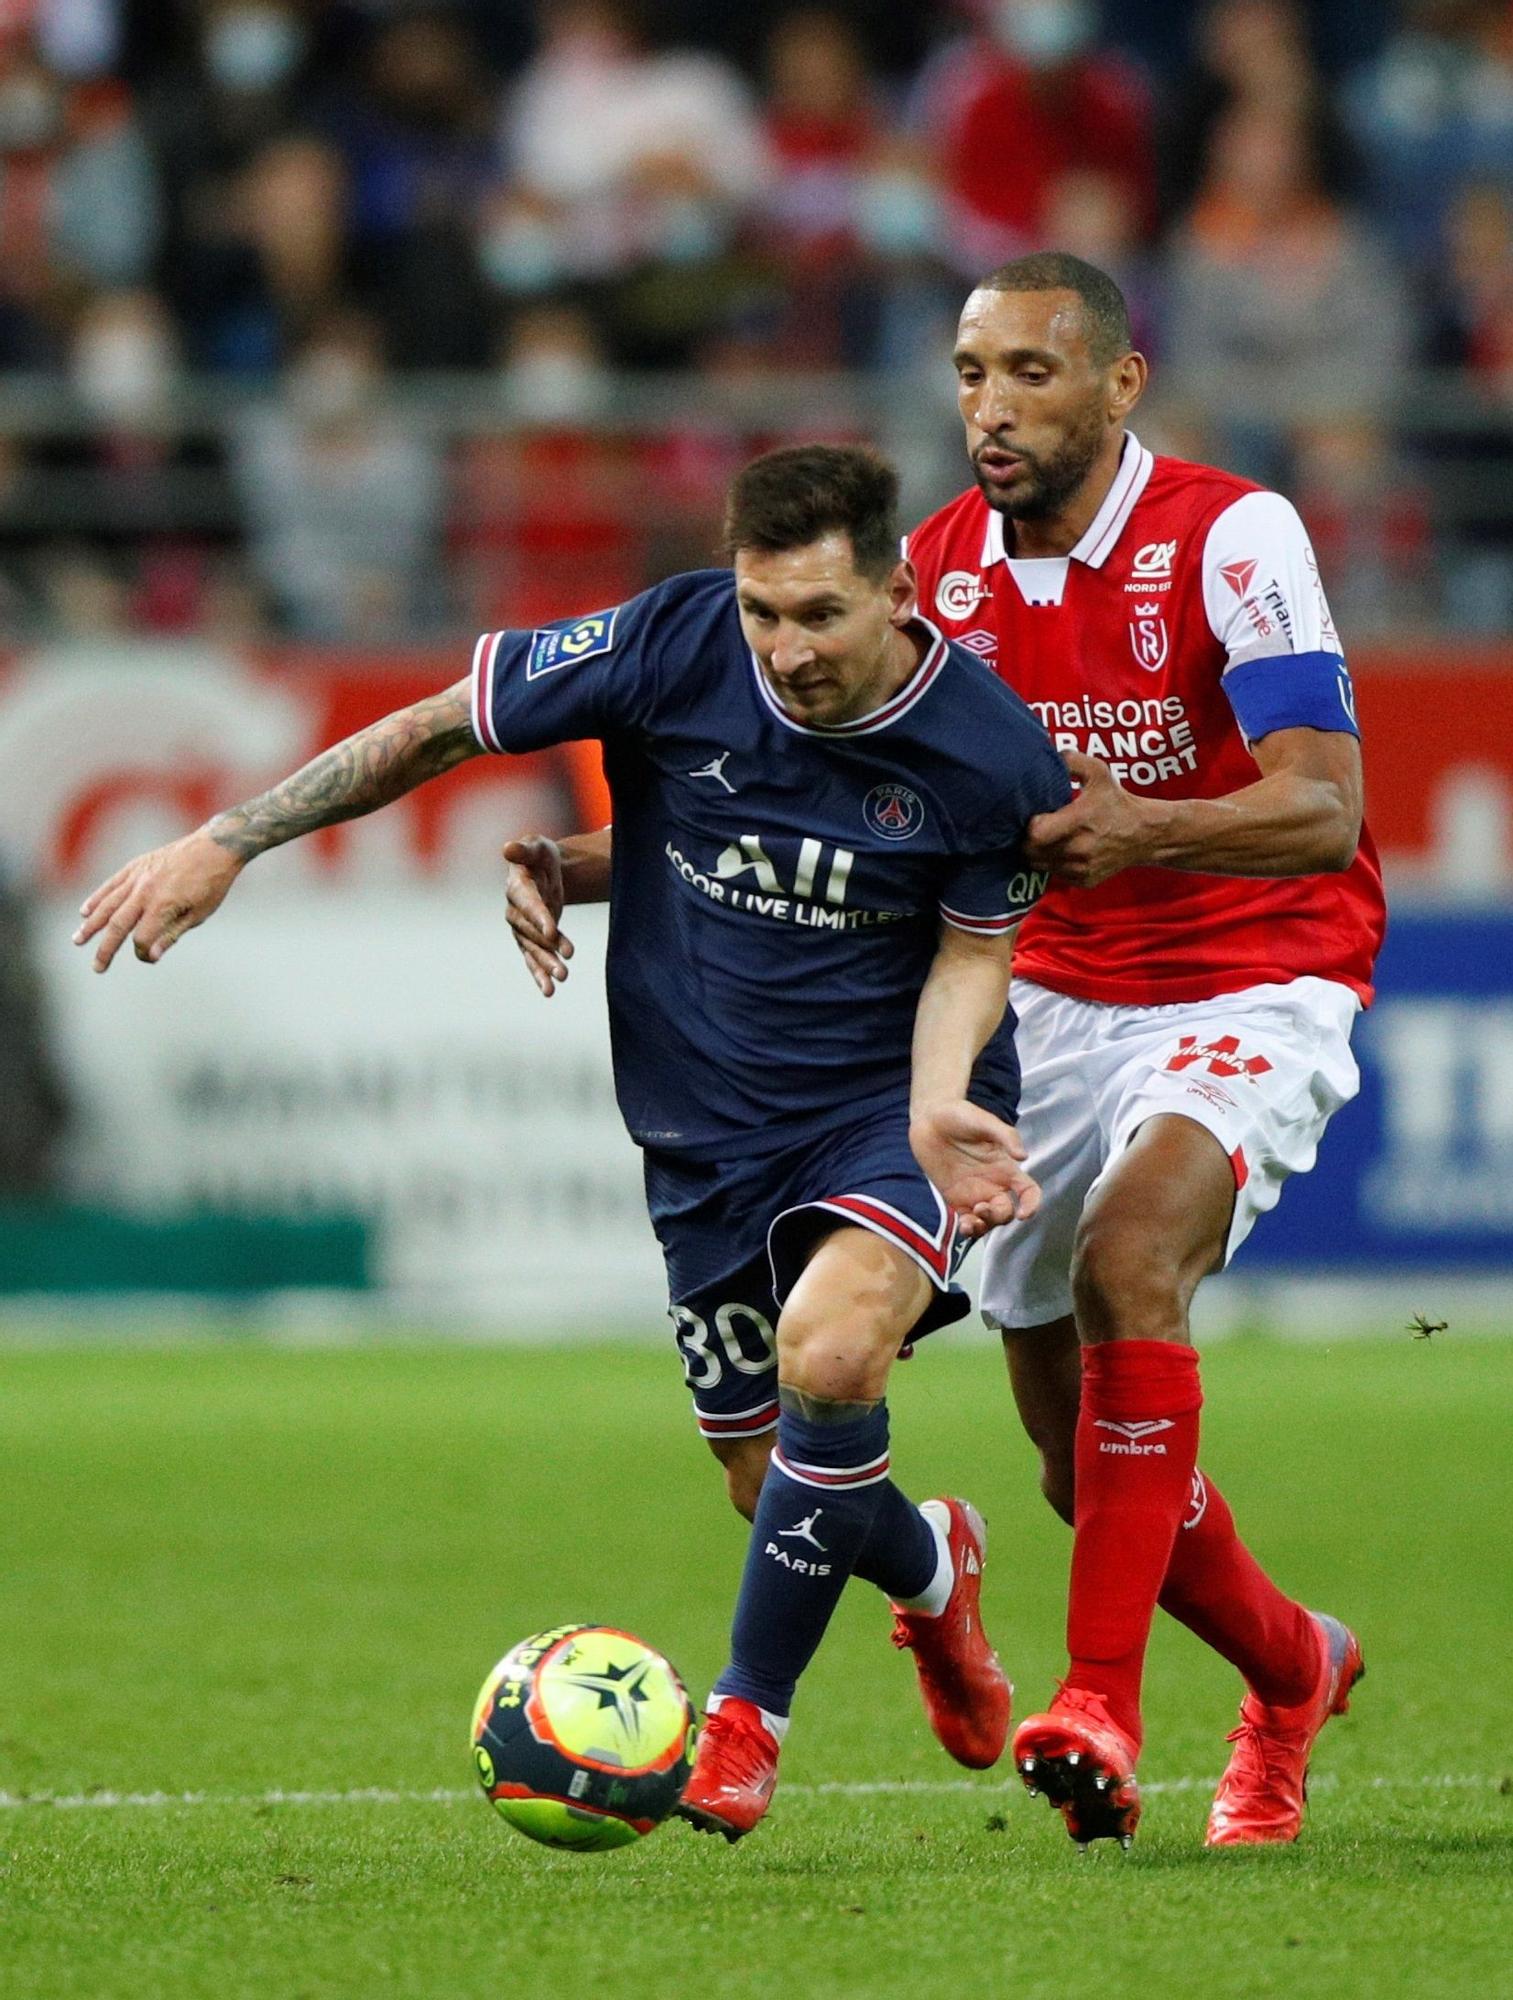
(1186, 991)
(1186, 994)
(820, 806)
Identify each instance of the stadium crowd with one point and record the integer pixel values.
(349, 320)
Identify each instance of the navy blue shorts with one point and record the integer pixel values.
(736, 1237)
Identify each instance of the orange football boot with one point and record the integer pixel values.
(966, 1693)
(1077, 1757)
(734, 1771)
(1264, 1790)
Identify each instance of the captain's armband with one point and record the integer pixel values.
(1292, 691)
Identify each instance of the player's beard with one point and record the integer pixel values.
(1053, 480)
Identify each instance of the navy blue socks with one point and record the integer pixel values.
(826, 1500)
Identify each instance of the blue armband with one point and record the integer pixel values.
(1292, 691)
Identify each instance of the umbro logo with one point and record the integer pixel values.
(715, 769)
(1133, 1437)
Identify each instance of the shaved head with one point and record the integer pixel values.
(1105, 316)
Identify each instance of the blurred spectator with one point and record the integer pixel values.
(247, 86)
(1369, 524)
(344, 497)
(127, 523)
(1022, 100)
(78, 197)
(289, 220)
(36, 1109)
(629, 168)
(1090, 214)
(549, 507)
(420, 151)
(1248, 52)
(1284, 310)
(1471, 331)
(821, 120)
(1435, 111)
(851, 217)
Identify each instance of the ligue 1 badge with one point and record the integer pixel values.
(893, 811)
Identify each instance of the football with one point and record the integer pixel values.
(582, 1737)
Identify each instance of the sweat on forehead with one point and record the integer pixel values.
(1103, 315)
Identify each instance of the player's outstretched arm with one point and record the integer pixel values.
(541, 877)
(154, 899)
(973, 1158)
(1302, 816)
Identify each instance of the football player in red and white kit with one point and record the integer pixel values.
(1185, 992)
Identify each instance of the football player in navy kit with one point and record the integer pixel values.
(819, 809)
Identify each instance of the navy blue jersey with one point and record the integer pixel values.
(777, 889)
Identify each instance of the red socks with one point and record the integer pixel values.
(1216, 1588)
(1137, 1447)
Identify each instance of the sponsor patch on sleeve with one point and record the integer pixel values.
(557, 646)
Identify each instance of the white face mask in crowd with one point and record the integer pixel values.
(1043, 32)
(123, 373)
(31, 114)
(898, 213)
(520, 253)
(555, 387)
(328, 386)
(250, 49)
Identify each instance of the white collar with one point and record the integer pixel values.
(1106, 526)
(897, 704)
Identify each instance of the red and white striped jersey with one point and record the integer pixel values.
(1120, 649)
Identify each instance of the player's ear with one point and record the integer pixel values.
(1127, 385)
(903, 592)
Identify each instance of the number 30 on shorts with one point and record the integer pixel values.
(741, 1338)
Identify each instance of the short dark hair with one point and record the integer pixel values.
(1104, 312)
(786, 499)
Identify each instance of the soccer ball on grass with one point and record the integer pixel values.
(582, 1737)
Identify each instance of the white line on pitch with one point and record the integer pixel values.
(376, 1795)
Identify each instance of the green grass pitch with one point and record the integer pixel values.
(250, 1574)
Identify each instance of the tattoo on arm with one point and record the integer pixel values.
(368, 770)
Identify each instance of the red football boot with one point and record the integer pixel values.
(734, 1771)
(966, 1693)
(1264, 1790)
(1079, 1759)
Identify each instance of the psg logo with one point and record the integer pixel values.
(893, 811)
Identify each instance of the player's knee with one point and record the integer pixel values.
(835, 1361)
(1126, 1282)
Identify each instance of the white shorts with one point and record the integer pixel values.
(1262, 1069)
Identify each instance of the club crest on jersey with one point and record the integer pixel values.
(893, 811)
(958, 594)
(1148, 636)
(556, 646)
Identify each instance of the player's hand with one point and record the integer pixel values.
(1103, 829)
(156, 898)
(974, 1159)
(533, 903)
